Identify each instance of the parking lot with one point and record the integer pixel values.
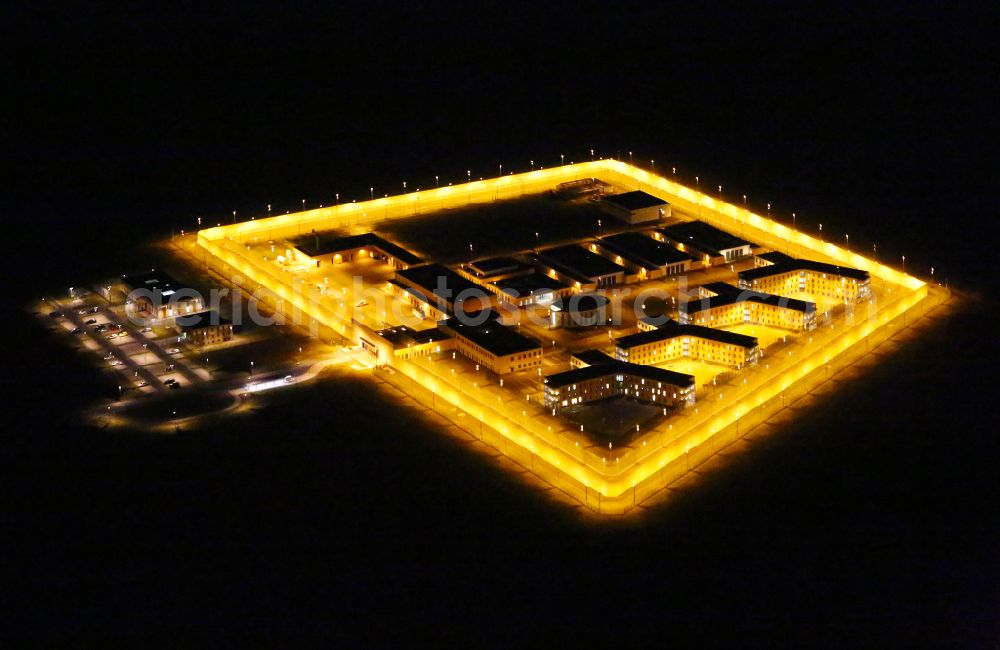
(145, 360)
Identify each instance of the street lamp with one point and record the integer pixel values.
(234, 216)
(268, 209)
(591, 155)
(562, 159)
(436, 181)
(371, 191)
(303, 205)
(697, 182)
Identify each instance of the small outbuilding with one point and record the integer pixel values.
(579, 310)
(635, 207)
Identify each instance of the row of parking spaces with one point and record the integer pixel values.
(147, 359)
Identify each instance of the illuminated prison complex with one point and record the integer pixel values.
(672, 340)
(781, 274)
(638, 471)
(605, 377)
(723, 304)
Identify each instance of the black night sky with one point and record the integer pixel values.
(871, 521)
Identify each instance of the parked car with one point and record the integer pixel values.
(89, 321)
(174, 386)
(116, 362)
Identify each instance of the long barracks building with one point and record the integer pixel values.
(500, 349)
(437, 292)
(643, 256)
(705, 243)
(673, 340)
(579, 267)
(605, 379)
(724, 304)
(783, 275)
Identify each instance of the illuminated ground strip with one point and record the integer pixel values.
(660, 456)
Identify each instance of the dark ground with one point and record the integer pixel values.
(498, 228)
(870, 520)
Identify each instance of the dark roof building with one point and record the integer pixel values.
(581, 265)
(790, 264)
(493, 266)
(439, 281)
(672, 329)
(706, 239)
(643, 251)
(581, 302)
(491, 336)
(635, 207)
(636, 200)
(198, 320)
(590, 358)
(529, 285)
(726, 294)
(315, 245)
(402, 336)
(775, 257)
(652, 373)
(153, 280)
